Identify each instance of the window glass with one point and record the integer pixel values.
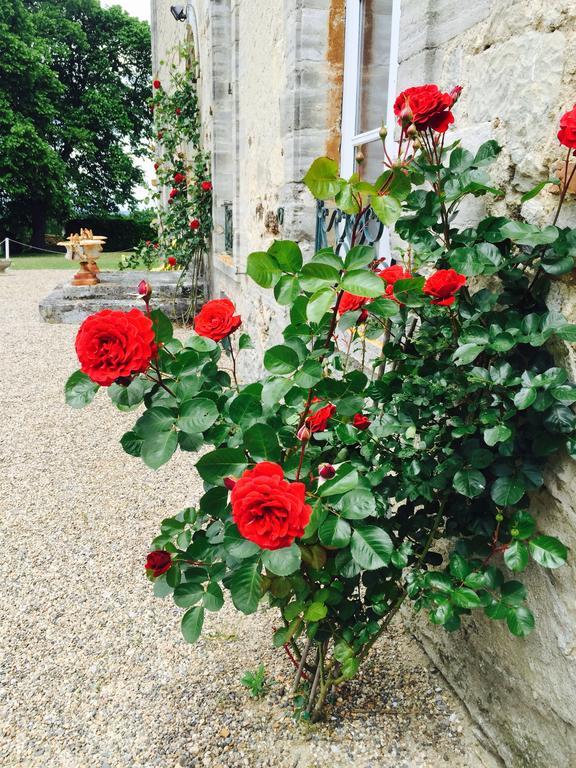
(375, 26)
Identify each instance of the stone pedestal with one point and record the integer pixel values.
(116, 290)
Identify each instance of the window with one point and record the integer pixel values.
(370, 68)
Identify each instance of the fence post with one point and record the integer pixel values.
(7, 248)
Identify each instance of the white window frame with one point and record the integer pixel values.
(351, 88)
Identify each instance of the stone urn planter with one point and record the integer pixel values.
(84, 248)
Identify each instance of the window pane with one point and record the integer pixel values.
(376, 18)
(373, 163)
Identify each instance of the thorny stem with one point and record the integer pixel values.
(300, 670)
(567, 181)
(316, 680)
(233, 357)
(159, 381)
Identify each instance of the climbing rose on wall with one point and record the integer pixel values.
(111, 345)
(567, 132)
(216, 319)
(443, 285)
(267, 509)
(425, 106)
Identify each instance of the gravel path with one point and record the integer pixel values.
(93, 668)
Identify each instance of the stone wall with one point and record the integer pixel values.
(517, 63)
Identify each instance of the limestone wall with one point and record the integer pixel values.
(517, 63)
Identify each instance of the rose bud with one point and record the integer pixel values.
(383, 132)
(155, 245)
(363, 316)
(194, 224)
(360, 421)
(303, 433)
(178, 111)
(124, 381)
(412, 131)
(326, 471)
(157, 84)
(206, 186)
(455, 93)
(158, 562)
(407, 116)
(173, 192)
(144, 289)
(230, 482)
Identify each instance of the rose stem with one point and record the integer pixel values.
(316, 680)
(300, 669)
(234, 367)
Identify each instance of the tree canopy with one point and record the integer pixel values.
(74, 87)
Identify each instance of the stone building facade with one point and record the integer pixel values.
(284, 81)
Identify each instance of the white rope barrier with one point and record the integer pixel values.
(34, 247)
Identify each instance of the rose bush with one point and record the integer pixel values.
(327, 486)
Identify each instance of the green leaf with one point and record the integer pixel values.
(286, 254)
(516, 556)
(214, 466)
(323, 180)
(467, 353)
(548, 551)
(359, 256)
(154, 420)
(245, 409)
(524, 398)
(287, 289)
(487, 152)
(362, 282)
(498, 434)
(527, 234)
(192, 623)
(158, 447)
(383, 307)
(317, 275)
(309, 375)
(273, 392)
(507, 491)
(188, 594)
(261, 442)
(236, 545)
(213, 598)
(347, 199)
(320, 302)
(513, 593)
(358, 504)
(131, 443)
(197, 415)
(560, 418)
(386, 208)
(334, 532)
(464, 597)
(201, 343)
(315, 612)
(409, 291)
(282, 562)
(344, 480)
(524, 525)
(538, 188)
(163, 330)
(520, 621)
(245, 585)
(281, 359)
(469, 482)
(79, 390)
(466, 261)
(263, 269)
(371, 547)
(459, 566)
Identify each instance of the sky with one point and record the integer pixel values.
(139, 8)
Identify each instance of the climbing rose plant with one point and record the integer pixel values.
(328, 486)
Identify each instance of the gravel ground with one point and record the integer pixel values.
(93, 668)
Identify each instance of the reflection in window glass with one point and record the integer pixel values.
(373, 164)
(374, 63)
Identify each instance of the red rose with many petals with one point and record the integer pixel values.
(360, 421)
(216, 319)
(173, 193)
(112, 345)
(194, 224)
(318, 421)
(158, 562)
(206, 186)
(172, 261)
(567, 132)
(391, 275)
(349, 302)
(425, 106)
(157, 84)
(442, 285)
(267, 509)
(179, 178)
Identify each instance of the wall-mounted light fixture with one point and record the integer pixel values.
(179, 12)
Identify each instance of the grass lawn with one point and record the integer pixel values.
(51, 261)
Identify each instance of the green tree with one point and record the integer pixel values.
(71, 143)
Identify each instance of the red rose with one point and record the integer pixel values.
(425, 106)
(155, 245)
(158, 562)
(206, 186)
(267, 509)
(194, 224)
(318, 421)
(160, 134)
(216, 319)
(349, 302)
(391, 275)
(156, 166)
(360, 421)
(442, 285)
(173, 193)
(327, 471)
(144, 289)
(179, 178)
(178, 111)
(157, 84)
(113, 344)
(567, 132)
(172, 261)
